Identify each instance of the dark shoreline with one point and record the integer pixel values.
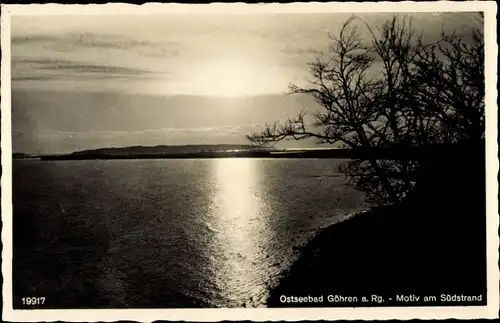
(432, 243)
(380, 269)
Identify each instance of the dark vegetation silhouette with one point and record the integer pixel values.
(423, 100)
(393, 91)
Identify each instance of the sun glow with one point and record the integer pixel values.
(227, 79)
(231, 78)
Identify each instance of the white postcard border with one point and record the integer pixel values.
(258, 314)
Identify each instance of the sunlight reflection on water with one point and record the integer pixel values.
(238, 215)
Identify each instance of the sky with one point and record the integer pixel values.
(84, 82)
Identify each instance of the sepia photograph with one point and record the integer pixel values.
(256, 158)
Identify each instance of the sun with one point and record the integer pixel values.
(230, 79)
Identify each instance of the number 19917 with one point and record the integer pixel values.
(33, 300)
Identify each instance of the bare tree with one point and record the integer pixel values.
(392, 92)
(450, 86)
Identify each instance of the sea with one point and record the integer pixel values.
(167, 233)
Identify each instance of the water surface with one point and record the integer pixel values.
(167, 233)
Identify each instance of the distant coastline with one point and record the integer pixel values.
(221, 151)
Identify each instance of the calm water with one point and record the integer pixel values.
(167, 233)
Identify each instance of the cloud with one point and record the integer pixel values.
(27, 39)
(40, 69)
(60, 59)
(31, 78)
(275, 48)
(72, 41)
(150, 133)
